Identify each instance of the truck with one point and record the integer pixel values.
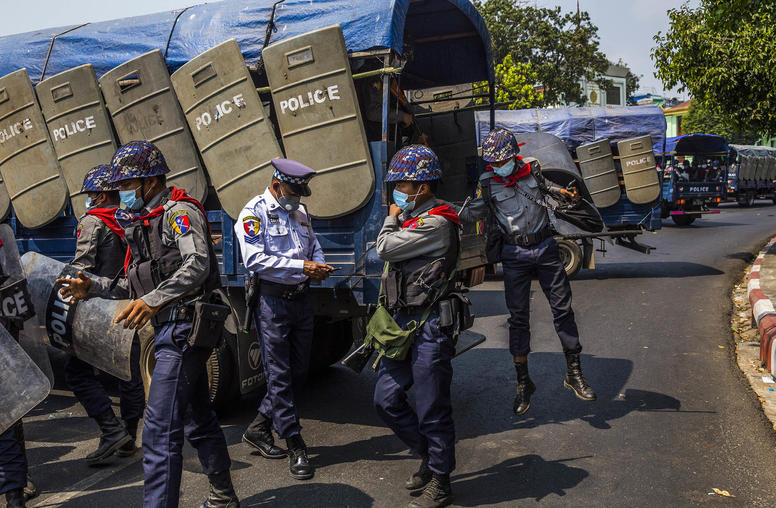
(299, 91)
(590, 141)
(751, 174)
(695, 183)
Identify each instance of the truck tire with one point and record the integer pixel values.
(332, 341)
(683, 220)
(750, 197)
(741, 200)
(571, 256)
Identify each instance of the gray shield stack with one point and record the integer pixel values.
(639, 170)
(596, 164)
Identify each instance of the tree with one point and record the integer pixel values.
(699, 119)
(515, 85)
(631, 80)
(561, 47)
(722, 52)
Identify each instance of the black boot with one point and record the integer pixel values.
(259, 435)
(30, 490)
(525, 388)
(575, 381)
(130, 448)
(15, 498)
(436, 494)
(113, 437)
(419, 479)
(300, 466)
(222, 493)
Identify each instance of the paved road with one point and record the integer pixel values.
(674, 420)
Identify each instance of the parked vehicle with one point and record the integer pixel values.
(696, 183)
(752, 174)
(314, 116)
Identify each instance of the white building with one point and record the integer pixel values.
(615, 95)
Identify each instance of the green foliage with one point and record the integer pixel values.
(699, 119)
(561, 47)
(631, 80)
(515, 85)
(724, 53)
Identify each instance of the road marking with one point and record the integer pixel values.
(81, 487)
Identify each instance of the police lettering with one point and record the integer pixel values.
(73, 128)
(222, 109)
(14, 305)
(58, 321)
(15, 129)
(643, 160)
(309, 99)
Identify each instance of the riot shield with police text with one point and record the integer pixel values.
(227, 120)
(22, 384)
(143, 107)
(79, 126)
(15, 301)
(639, 170)
(320, 120)
(85, 329)
(27, 160)
(5, 200)
(596, 164)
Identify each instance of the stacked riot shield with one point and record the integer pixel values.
(228, 122)
(596, 164)
(27, 160)
(79, 126)
(639, 170)
(5, 200)
(320, 120)
(142, 104)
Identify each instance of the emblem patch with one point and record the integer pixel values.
(123, 217)
(78, 233)
(252, 227)
(179, 222)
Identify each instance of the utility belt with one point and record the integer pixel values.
(528, 239)
(284, 291)
(206, 315)
(455, 314)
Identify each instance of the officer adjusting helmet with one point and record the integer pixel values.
(137, 160)
(98, 181)
(499, 145)
(417, 164)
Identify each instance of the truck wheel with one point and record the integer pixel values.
(741, 200)
(750, 199)
(331, 343)
(683, 220)
(570, 256)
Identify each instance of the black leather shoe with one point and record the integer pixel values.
(222, 493)
(420, 478)
(525, 388)
(259, 436)
(15, 498)
(130, 448)
(299, 464)
(113, 437)
(437, 493)
(575, 381)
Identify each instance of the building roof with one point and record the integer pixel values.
(679, 109)
(617, 71)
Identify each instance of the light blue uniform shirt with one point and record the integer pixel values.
(275, 243)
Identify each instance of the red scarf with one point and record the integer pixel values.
(445, 211)
(175, 195)
(108, 217)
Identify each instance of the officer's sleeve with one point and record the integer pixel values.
(185, 227)
(253, 246)
(477, 208)
(395, 244)
(103, 287)
(87, 239)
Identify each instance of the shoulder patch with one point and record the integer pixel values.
(78, 233)
(123, 217)
(252, 228)
(179, 222)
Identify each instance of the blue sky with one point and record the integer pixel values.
(626, 27)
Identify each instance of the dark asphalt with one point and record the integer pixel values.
(674, 417)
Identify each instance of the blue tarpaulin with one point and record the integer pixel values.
(449, 40)
(579, 126)
(692, 144)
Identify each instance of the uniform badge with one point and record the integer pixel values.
(417, 223)
(78, 233)
(123, 217)
(179, 222)
(252, 227)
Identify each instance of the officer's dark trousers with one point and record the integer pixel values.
(88, 389)
(286, 331)
(13, 462)
(428, 428)
(542, 260)
(178, 406)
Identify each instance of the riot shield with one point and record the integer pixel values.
(639, 170)
(84, 329)
(79, 126)
(5, 200)
(320, 120)
(228, 123)
(141, 102)
(15, 301)
(27, 160)
(22, 384)
(596, 164)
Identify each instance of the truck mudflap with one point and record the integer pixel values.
(142, 104)
(228, 122)
(27, 159)
(79, 126)
(596, 164)
(318, 114)
(639, 170)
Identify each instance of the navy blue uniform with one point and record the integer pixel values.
(13, 461)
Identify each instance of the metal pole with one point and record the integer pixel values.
(492, 99)
(386, 97)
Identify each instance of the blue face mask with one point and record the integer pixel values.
(130, 200)
(505, 170)
(401, 198)
(88, 203)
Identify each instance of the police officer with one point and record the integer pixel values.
(419, 232)
(278, 244)
(100, 249)
(172, 264)
(513, 191)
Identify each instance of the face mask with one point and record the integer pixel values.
(89, 204)
(505, 170)
(402, 200)
(130, 199)
(289, 203)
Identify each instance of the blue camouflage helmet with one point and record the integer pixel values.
(98, 179)
(414, 163)
(499, 145)
(138, 159)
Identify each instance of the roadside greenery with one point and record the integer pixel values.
(700, 119)
(515, 86)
